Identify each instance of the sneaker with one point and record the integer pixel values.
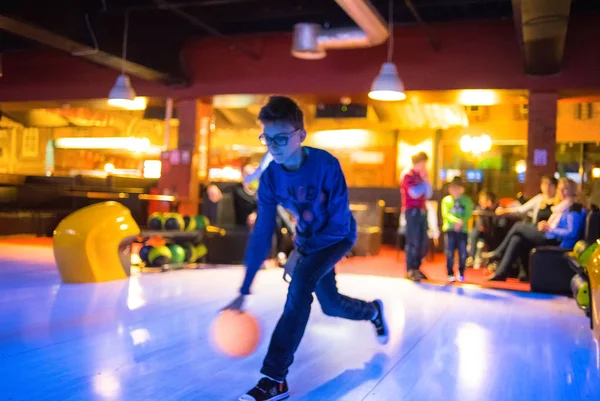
(267, 390)
(380, 324)
(460, 278)
(451, 278)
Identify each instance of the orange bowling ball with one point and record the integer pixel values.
(235, 333)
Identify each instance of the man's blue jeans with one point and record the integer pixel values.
(314, 273)
(416, 237)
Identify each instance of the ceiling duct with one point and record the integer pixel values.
(311, 41)
(542, 25)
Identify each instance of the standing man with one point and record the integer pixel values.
(415, 190)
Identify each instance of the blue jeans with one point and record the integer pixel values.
(416, 237)
(519, 241)
(456, 240)
(314, 273)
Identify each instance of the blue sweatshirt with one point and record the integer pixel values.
(570, 227)
(317, 196)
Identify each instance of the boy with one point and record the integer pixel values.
(456, 212)
(308, 182)
(484, 228)
(415, 189)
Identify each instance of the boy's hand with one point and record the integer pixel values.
(500, 211)
(255, 175)
(458, 225)
(293, 260)
(251, 219)
(237, 304)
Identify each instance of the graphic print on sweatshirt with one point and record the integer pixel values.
(301, 201)
(458, 209)
(316, 195)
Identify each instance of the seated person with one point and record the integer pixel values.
(244, 197)
(538, 207)
(564, 227)
(245, 203)
(484, 228)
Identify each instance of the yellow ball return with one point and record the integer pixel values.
(93, 244)
(593, 271)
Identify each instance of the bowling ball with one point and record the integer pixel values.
(144, 251)
(161, 255)
(177, 253)
(579, 247)
(581, 291)
(173, 222)
(202, 222)
(156, 221)
(201, 251)
(235, 333)
(586, 255)
(190, 252)
(189, 223)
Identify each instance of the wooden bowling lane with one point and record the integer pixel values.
(146, 338)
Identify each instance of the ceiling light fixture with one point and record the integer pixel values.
(122, 94)
(388, 86)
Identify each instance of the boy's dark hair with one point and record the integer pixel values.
(551, 179)
(457, 182)
(420, 157)
(489, 195)
(282, 109)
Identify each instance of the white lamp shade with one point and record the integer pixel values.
(122, 91)
(387, 86)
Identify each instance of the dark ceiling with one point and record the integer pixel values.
(156, 32)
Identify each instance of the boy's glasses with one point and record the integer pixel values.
(278, 139)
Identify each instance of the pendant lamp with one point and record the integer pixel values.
(388, 86)
(122, 94)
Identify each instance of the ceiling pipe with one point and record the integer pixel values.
(311, 41)
(163, 4)
(66, 44)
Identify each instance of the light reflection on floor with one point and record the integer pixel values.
(146, 338)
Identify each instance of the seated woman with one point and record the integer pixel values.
(538, 207)
(563, 227)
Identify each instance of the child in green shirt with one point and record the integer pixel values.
(456, 212)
